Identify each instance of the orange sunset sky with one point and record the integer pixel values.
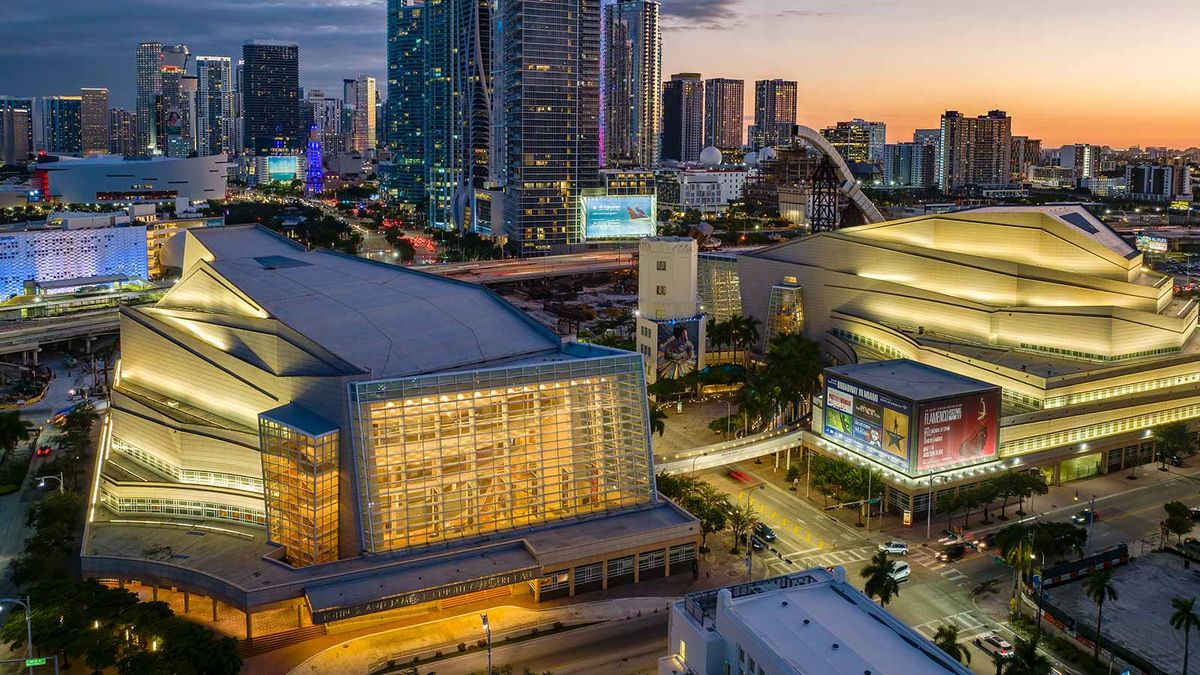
(1108, 72)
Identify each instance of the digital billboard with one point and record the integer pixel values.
(958, 430)
(1151, 243)
(678, 353)
(619, 217)
(868, 420)
(281, 169)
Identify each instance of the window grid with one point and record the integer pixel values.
(301, 477)
(188, 476)
(181, 507)
(448, 457)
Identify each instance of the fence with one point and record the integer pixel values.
(1072, 571)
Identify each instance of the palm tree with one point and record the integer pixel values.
(742, 517)
(946, 638)
(794, 362)
(1099, 587)
(13, 430)
(1027, 660)
(1017, 550)
(658, 420)
(1185, 619)
(880, 582)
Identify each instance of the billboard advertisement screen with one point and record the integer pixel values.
(1151, 244)
(959, 430)
(678, 353)
(281, 169)
(619, 217)
(867, 420)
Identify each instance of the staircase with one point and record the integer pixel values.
(267, 643)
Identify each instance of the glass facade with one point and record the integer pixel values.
(300, 472)
(450, 457)
(720, 291)
(181, 507)
(785, 314)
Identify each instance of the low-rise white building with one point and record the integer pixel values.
(116, 179)
(707, 189)
(804, 623)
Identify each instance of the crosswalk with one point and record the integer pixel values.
(969, 623)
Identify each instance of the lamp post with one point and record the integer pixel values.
(728, 417)
(28, 626)
(808, 473)
(929, 507)
(487, 632)
(58, 477)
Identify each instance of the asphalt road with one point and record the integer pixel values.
(626, 647)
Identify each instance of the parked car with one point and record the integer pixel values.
(763, 531)
(1194, 512)
(1176, 461)
(901, 572)
(894, 547)
(1085, 516)
(43, 451)
(994, 645)
(952, 552)
(1192, 545)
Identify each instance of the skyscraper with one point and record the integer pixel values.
(404, 180)
(93, 120)
(175, 103)
(271, 96)
(475, 84)
(724, 105)
(214, 104)
(551, 91)
(1025, 153)
(359, 101)
(974, 150)
(858, 140)
(443, 115)
(122, 132)
(149, 88)
(326, 113)
(774, 110)
(631, 104)
(683, 117)
(16, 129)
(61, 130)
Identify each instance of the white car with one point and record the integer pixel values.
(994, 645)
(900, 572)
(894, 547)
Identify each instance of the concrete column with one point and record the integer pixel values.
(121, 584)
(667, 559)
(299, 616)
(186, 598)
(604, 575)
(571, 582)
(637, 563)
(154, 591)
(214, 609)
(788, 463)
(249, 624)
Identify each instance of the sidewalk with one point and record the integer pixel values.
(1059, 499)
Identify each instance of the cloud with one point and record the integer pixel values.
(809, 13)
(700, 14)
(91, 43)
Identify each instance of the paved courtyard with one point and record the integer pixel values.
(689, 429)
(1138, 618)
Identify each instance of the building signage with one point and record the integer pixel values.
(867, 420)
(623, 217)
(424, 595)
(1151, 244)
(678, 351)
(957, 431)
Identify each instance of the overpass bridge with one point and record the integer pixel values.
(737, 450)
(27, 336)
(488, 272)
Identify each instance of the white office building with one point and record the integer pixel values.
(804, 623)
(66, 253)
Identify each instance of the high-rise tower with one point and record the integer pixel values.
(774, 110)
(271, 96)
(631, 103)
(176, 103)
(93, 120)
(724, 105)
(61, 130)
(149, 88)
(214, 104)
(974, 150)
(551, 73)
(403, 181)
(683, 118)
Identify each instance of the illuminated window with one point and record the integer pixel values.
(300, 477)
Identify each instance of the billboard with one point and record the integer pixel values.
(619, 217)
(678, 351)
(958, 430)
(1151, 243)
(281, 169)
(869, 421)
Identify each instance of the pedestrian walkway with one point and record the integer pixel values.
(969, 623)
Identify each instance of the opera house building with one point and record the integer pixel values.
(312, 430)
(1090, 348)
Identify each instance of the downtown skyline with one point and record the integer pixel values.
(884, 61)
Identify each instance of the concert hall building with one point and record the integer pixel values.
(356, 440)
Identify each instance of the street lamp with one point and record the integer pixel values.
(487, 631)
(58, 477)
(28, 625)
(929, 506)
(1091, 519)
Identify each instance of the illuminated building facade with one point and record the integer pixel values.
(632, 98)
(16, 129)
(214, 104)
(61, 130)
(270, 95)
(774, 112)
(149, 88)
(93, 120)
(1091, 350)
(402, 181)
(383, 437)
(974, 150)
(683, 117)
(723, 111)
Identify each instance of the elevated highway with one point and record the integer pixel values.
(28, 335)
(488, 272)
